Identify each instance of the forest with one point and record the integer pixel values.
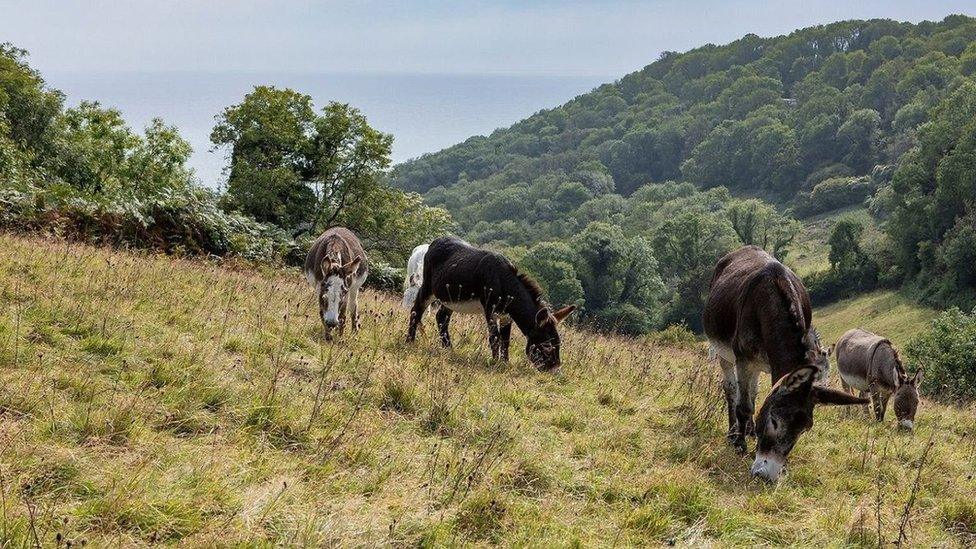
(877, 113)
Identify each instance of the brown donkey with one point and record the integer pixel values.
(758, 319)
(336, 267)
(869, 363)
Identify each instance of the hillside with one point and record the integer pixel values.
(773, 116)
(146, 399)
(874, 117)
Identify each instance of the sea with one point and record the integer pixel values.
(424, 112)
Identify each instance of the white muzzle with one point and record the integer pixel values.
(768, 467)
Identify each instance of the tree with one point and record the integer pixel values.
(845, 245)
(344, 162)
(619, 276)
(687, 248)
(269, 134)
(758, 223)
(859, 136)
(553, 265)
(297, 169)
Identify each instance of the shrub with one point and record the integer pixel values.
(385, 278)
(675, 335)
(946, 350)
(833, 193)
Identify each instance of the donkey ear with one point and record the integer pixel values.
(561, 314)
(830, 350)
(542, 317)
(351, 267)
(826, 395)
(799, 380)
(326, 266)
(917, 378)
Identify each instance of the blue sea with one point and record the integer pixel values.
(424, 112)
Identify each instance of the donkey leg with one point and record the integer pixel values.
(746, 406)
(880, 410)
(730, 387)
(342, 317)
(354, 307)
(878, 401)
(504, 337)
(494, 341)
(443, 322)
(847, 389)
(864, 408)
(417, 312)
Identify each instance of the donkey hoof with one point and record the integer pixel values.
(738, 442)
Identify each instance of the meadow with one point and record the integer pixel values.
(147, 399)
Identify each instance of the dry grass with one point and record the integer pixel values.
(149, 400)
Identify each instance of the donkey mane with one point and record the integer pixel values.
(530, 284)
(898, 364)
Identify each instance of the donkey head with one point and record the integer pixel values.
(542, 347)
(336, 279)
(786, 414)
(906, 399)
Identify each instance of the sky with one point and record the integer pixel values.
(571, 37)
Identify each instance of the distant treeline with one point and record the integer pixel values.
(823, 118)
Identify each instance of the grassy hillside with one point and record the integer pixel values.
(809, 251)
(884, 312)
(150, 400)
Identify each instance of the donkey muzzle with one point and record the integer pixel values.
(768, 467)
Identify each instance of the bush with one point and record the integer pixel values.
(184, 221)
(946, 352)
(385, 278)
(675, 335)
(833, 193)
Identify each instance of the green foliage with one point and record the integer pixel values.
(930, 221)
(304, 172)
(553, 265)
(83, 173)
(755, 114)
(946, 350)
(851, 271)
(758, 223)
(833, 193)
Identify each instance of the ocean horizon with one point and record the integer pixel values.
(424, 112)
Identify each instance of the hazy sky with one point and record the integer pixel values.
(539, 37)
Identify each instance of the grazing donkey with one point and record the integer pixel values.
(336, 267)
(415, 275)
(757, 319)
(869, 363)
(468, 280)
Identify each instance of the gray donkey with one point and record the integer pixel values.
(869, 363)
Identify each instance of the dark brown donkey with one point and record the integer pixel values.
(336, 267)
(869, 363)
(468, 280)
(757, 319)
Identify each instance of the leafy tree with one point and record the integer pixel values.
(756, 222)
(687, 248)
(344, 162)
(618, 274)
(845, 247)
(269, 134)
(553, 265)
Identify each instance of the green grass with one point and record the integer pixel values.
(149, 400)
(883, 312)
(809, 252)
